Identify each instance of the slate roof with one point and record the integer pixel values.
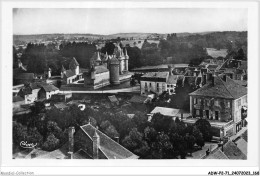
(69, 73)
(81, 154)
(49, 88)
(221, 89)
(41, 154)
(137, 99)
(233, 152)
(60, 105)
(241, 82)
(17, 98)
(244, 135)
(242, 145)
(114, 61)
(27, 76)
(155, 75)
(165, 111)
(172, 79)
(218, 154)
(110, 148)
(243, 65)
(101, 69)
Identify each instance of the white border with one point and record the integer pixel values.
(164, 165)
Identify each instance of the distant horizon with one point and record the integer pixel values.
(135, 33)
(108, 21)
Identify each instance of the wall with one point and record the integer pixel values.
(101, 77)
(224, 112)
(237, 107)
(30, 98)
(152, 86)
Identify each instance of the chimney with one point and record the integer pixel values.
(207, 152)
(170, 69)
(225, 78)
(33, 155)
(71, 141)
(117, 139)
(96, 144)
(204, 79)
(213, 80)
(209, 76)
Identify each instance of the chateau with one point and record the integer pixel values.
(108, 70)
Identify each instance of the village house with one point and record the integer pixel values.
(47, 91)
(96, 145)
(30, 92)
(158, 82)
(221, 101)
(73, 74)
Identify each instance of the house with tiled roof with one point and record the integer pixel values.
(223, 102)
(30, 91)
(73, 73)
(47, 91)
(97, 145)
(159, 82)
(231, 150)
(242, 145)
(218, 154)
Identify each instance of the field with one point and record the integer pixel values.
(216, 53)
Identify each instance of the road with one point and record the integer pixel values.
(131, 89)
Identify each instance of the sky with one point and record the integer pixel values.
(127, 20)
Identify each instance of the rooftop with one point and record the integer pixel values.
(156, 75)
(49, 88)
(228, 89)
(165, 111)
(218, 154)
(233, 152)
(109, 147)
(242, 145)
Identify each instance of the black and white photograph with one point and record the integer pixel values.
(120, 83)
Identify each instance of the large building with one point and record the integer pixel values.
(158, 82)
(223, 100)
(97, 145)
(110, 69)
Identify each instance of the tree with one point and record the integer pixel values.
(135, 143)
(161, 123)
(30, 135)
(198, 137)
(190, 140)
(109, 129)
(205, 128)
(51, 143)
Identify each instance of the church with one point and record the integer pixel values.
(107, 70)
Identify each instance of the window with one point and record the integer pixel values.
(207, 114)
(195, 101)
(157, 87)
(150, 84)
(228, 104)
(216, 103)
(168, 85)
(216, 115)
(197, 112)
(199, 101)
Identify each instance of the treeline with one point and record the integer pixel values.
(162, 138)
(184, 49)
